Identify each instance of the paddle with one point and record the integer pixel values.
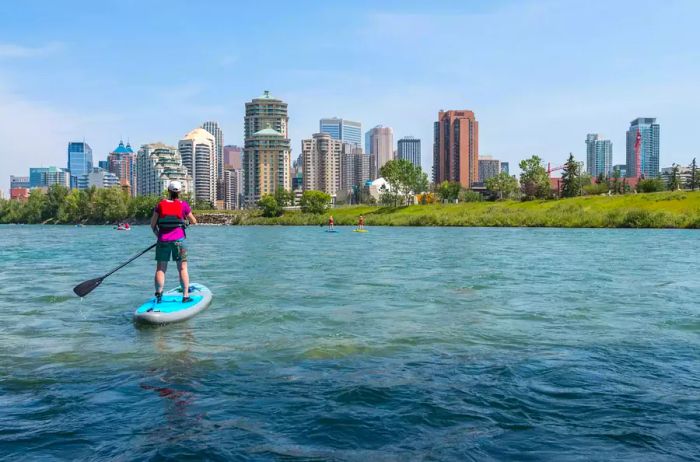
(86, 287)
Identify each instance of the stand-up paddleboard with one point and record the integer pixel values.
(331, 231)
(171, 308)
(360, 231)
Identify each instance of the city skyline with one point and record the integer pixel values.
(55, 81)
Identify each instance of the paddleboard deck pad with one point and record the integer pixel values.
(171, 308)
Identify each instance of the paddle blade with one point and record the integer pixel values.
(86, 287)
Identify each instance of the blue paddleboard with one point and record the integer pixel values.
(171, 308)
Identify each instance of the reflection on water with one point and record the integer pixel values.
(402, 344)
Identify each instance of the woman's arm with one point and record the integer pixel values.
(154, 223)
(191, 219)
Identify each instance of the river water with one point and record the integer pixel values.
(398, 344)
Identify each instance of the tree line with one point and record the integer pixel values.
(59, 204)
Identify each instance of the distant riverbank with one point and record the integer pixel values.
(656, 210)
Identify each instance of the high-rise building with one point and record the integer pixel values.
(648, 131)
(233, 157)
(122, 163)
(98, 178)
(488, 168)
(43, 177)
(197, 150)
(19, 182)
(354, 173)
(505, 168)
(213, 128)
(598, 155)
(342, 129)
(321, 160)
(409, 149)
(267, 165)
(233, 188)
(158, 164)
(79, 160)
(381, 148)
(264, 112)
(456, 148)
(267, 153)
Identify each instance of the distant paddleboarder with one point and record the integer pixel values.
(331, 223)
(168, 223)
(361, 222)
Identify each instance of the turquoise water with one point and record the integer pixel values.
(399, 344)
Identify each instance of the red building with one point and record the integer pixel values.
(20, 194)
(456, 148)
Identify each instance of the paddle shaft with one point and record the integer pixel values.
(129, 261)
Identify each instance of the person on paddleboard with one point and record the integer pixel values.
(331, 223)
(168, 223)
(361, 222)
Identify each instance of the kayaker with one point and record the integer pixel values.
(331, 223)
(361, 222)
(168, 223)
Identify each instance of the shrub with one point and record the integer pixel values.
(467, 195)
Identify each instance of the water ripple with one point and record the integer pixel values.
(409, 344)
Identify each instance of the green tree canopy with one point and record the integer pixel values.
(314, 201)
(571, 178)
(448, 191)
(503, 184)
(534, 180)
(674, 182)
(404, 179)
(269, 206)
(284, 198)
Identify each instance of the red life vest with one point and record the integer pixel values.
(170, 215)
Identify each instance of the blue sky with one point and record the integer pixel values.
(539, 74)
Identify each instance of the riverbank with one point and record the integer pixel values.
(656, 210)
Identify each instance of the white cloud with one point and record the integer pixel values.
(12, 50)
(35, 133)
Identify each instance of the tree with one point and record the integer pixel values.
(503, 184)
(314, 201)
(693, 175)
(404, 179)
(284, 197)
(270, 207)
(534, 180)
(32, 210)
(616, 185)
(571, 178)
(55, 196)
(674, 182)
(448, 191)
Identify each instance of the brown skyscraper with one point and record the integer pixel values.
(456, 148)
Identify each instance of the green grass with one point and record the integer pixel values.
(655, 210)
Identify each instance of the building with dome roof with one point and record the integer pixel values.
(267, 165)
(122, 163)
(158, 164)
(198, 152)
(267, 153)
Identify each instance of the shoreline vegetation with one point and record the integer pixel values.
(677, 209)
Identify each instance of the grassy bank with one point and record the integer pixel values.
(655, 210)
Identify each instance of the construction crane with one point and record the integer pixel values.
(551, 169)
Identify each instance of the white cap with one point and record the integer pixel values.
(175, 186)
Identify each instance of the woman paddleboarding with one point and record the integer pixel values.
(168, 223)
